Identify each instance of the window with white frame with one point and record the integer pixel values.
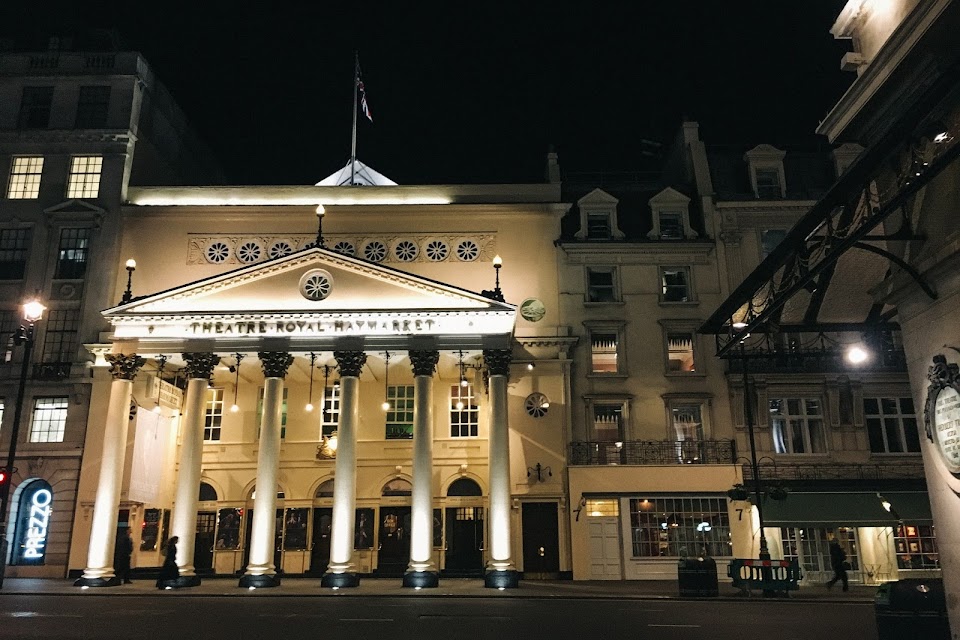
(670, 212)
(680, 352)
(60, 337)
(399, 422)
(72, 253)
(13, 253)
(84, 179)
(599, 226)
(891, 425)
(671, 225)
(604, 351)
(330, 416)
(25, 174)
(608, 421)
(464, 412)
(598, 217)
(680, 526)
(675, 284)
(283, 413)
(768, 184)
(797, 425)
(602, 284)
(765, 164)
(213, 415)
(916, 547)
(49, 420)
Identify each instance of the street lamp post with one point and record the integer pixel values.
(32, 312)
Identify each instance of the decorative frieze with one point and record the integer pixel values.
(124, 366)
(350, 363)
(497, 361)
(424, 362)
(275, 363)
(200, 365)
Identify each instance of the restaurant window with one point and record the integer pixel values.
(916, 547)
(25, 175)
(464, 412)
(602, 507)
(73, 253)
(399, 423)
(680, 527)
(891, 425)
(49, 420)
(797, 425)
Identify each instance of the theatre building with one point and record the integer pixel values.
(381, 395)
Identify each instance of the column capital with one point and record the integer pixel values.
(424, 362)
(124, 366)
(275, 363)
(497, 361)
(200, 364)
(350, 363)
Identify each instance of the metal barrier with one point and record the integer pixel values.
(778, 576)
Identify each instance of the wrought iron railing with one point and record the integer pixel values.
(653, 452)
(837, 471)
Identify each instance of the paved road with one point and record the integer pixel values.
(115, 617)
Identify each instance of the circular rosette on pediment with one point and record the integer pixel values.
(217, 251)
(468, 250)
(375, 251)
(536, 405)
(316, 284)
(249, 251)
(406, 250)
(437, 250)
(345, 247)
(280, 249)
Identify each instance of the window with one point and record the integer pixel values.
(400, 414)
(675, 284)
(598, 507)
(283, 413)
(688, 430)
(60, 338)
(13, 253)
(49, 419)
(916, 547)
(603, 352)
(680, 352)
(598, 226)
(601, 284)
(608, 422)
(677, 527)
(213, 415)
(330, 416)
(464, 412)
(84, 180)
(73, 252)
(810, 547)
(769, 239)
(92, 107)
(891, 425)
(797, 425)
(671, 226)
(35, 107)
(768, 184)
(25, 174)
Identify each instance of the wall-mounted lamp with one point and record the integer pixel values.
(128, 294)
(540, 471)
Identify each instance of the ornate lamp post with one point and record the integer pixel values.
(32, 312)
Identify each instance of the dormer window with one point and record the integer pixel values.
(671, 216)
(765, 164)
(598, 217)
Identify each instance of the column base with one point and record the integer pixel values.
(340, 580)
(509, 579)
(179, 582)
(112, 581)
(421, 579)
(262, 581)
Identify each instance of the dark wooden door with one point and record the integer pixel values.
(464, 554)
(203, 540)
(393, 554)
(320, 549)
(541, 544)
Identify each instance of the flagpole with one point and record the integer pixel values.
(353, 140)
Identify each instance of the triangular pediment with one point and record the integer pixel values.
(597, 198)
(669, 196)
(361, 174)
(310, 281)
(74, 211)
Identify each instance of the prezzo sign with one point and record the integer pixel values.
(33, 523)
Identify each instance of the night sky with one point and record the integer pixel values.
(473, 92)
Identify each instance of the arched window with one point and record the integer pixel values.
(398, 487)
(325, 490)
(253, 493)
(207, 492)
(464, 487)
(33, 520)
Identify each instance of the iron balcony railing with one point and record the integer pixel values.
(653, 452)
(837, 471)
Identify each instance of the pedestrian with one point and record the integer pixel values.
(169, 572)
(121, 556)
(838, 561)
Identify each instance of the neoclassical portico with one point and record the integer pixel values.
(316, 301)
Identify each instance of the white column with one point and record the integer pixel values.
(340, 571)
(261, 572)
(103, 530)
(501, 571)
(422, 572)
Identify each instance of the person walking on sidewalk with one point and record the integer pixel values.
(169, 572)
(838, 561)
(121, 556)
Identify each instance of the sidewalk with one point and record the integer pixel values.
(449, 587)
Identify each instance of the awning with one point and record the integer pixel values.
(851, 509)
